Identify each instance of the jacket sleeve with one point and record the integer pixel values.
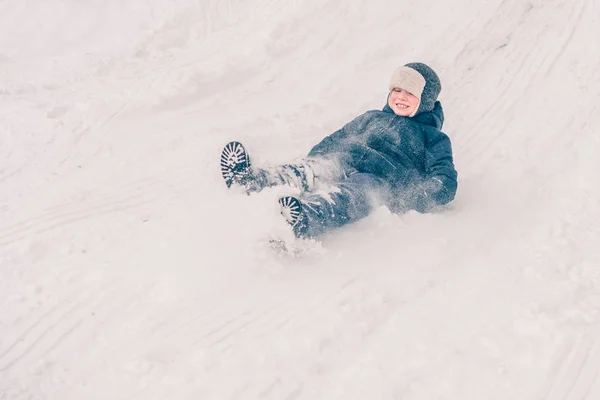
(439, 183)
(328, 144)
(336, 142)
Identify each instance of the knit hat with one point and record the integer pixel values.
(421, 81)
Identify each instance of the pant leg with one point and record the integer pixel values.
(349, 200)
(305, 174)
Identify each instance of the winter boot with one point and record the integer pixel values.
(235, 165)
(291, 209)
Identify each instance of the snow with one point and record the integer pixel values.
(127, 270)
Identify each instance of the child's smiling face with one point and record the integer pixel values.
(403, 103)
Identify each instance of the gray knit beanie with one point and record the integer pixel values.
(420, 80)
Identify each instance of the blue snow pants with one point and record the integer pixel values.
(347, 198)
(350, 199)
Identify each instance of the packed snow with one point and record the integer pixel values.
(129, 271)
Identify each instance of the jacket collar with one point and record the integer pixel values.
(434, 118)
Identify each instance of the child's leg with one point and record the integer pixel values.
(237, 169)
(304, 174)
(356, 196)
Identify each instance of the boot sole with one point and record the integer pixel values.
(235, 163)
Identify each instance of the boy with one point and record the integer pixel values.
(397, 157)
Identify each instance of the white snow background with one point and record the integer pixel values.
(128, 271)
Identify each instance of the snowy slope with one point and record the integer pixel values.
(128, 271)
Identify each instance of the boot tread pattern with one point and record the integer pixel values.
(235, 163)
(291, 209)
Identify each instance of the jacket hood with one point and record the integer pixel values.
(434, 118)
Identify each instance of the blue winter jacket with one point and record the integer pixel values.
(411, 154)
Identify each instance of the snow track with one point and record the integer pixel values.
(127, 271)
(578, 373)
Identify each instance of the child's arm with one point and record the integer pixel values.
(438, 186)
(334, 143)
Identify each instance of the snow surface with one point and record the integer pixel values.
(128, 271)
